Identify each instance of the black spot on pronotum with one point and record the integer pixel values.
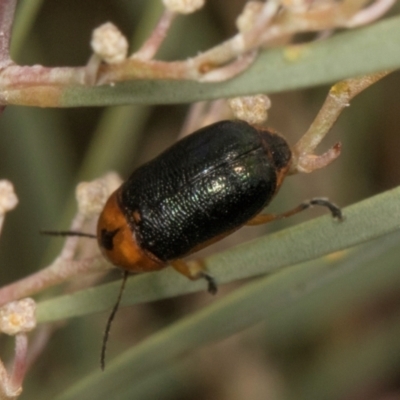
(107, 237)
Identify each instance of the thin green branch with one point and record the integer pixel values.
(364, 221)
(270, 299)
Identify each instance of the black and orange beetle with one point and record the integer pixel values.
(198, 191)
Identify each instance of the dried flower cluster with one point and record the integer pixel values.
(261, 24)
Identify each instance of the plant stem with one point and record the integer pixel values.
(7, 10)
(54, 274)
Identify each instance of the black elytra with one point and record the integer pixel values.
(209, 183)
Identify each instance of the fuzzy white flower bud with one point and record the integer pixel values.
(109, 44)
(91, 197)
(8, 198)
(183, 6)
(252, 109)
(18, 316)
(113, 181)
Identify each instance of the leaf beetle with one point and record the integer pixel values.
(200, 190)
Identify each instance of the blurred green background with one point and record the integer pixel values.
(45, 152)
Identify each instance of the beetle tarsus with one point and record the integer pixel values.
(195, 270)
(212, 283)
(316, 201)
(333, 208)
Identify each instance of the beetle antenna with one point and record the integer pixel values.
(110, 320)
(68, 233)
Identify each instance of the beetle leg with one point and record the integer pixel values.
(317, 201)
(195, 271)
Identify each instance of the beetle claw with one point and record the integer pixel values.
(212, 283)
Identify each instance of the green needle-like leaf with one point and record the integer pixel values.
(271, 297)
(352, 53)
(364, 221)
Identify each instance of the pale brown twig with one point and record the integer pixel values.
(370, 13)
(337, 100)
(19, 365)
(153, 43)
(58, 272)
(7, 10)
(91, 197)
(11, 384)
(16, 319)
